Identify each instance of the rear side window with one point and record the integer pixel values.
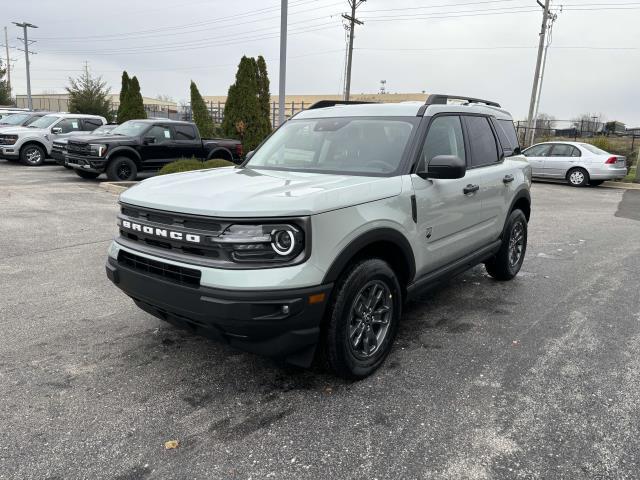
(538, 151)
(562, 150)
(444, 138)
(484, 150)
(185, 132)
(90, 124)
(507, 136)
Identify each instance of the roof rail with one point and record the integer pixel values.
(333, 103)
(443, 99)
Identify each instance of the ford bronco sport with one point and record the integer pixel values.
(318, 238)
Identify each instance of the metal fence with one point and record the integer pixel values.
(216, 111)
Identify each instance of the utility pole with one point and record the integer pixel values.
(536, 77)
(6, 45)
(552, 19)
(352, 25)
(25, 39)
(283, 61)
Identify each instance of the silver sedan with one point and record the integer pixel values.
(577, 163)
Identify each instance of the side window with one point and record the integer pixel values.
(444, 138)
(90, 124)
(562, 150)
(185, 132)
(484, 150)
(69, 125)
(160, 133)
(507, 136)
(538, 151)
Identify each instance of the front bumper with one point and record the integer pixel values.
(9, 152)
(89, 164)
(275, 323)
(59, 157)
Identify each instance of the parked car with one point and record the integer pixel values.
(22, 119)
(32, 144)
(578, 163)
(328, 227)
(139, 145)
(59, 147)
(5, 112)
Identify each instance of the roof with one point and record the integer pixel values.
(404, 109)
(161, 120)
(73, 115)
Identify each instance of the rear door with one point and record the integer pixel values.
(536, 156)
(157, 146)
(561, 158)
(186, 142)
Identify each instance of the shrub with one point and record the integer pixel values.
(188, 164)
(602, 142)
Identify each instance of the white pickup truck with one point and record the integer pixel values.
(32, 144)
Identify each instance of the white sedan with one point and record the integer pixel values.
(577, 163)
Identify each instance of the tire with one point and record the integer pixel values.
(578, 177)
(507, 262)
(355, 345)
(87, 175)
(32, 155)
(122, 169)
(596, 183)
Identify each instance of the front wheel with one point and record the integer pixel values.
(362, 319)
(122, 169)
(32, 155)
(578, 177)
(508, 261)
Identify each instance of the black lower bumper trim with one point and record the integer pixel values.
(276, 323)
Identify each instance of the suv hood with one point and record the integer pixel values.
(88, 138)
(18, 130)
(234, 192)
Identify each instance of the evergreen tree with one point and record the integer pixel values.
(243, 117)
(5, 91)
(201, 115)
(90, 95)
(264, 96)
(135, 104)
(122, 107)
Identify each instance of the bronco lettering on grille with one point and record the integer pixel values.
(161, 232)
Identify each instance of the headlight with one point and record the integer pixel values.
(257, 243)
(8, 139)
(98, 149)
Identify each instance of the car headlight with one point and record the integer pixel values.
(98, 149)
(258, 243)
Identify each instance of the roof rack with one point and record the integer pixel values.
(333, 103)
(443, 99)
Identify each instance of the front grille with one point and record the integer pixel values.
(7, 140)
(58, 147)
(78, 148)
(181, 275)
(190, 222)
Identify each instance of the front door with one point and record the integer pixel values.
(536, 156)
(157, 147)
(560, 160)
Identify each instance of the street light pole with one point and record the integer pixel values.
(283, 61)
(25, 39)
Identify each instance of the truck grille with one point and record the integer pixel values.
(58, 147)
(173, 273)
(78, 148)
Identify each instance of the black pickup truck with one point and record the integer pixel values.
(139, 145)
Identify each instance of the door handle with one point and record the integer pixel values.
(470, 189)
(507, 179)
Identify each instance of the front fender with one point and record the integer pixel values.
(122, 149)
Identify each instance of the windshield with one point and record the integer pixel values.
(103, 131)
(15, 119)
(130, 128)
(593, 149)
(44, 122)
(350, 145)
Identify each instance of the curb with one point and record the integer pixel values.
(116, 187)
(622, 185)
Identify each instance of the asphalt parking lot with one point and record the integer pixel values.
(536, 378)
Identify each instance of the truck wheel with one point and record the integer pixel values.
(578, 177)
(508, 261)
(362, 319)
(122, 169)
(87, 175)
(32, 155)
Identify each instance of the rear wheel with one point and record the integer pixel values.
(578, 177)
(122, 169)
(508, 261)
(87, 175)
(596, 183)
(32, 155)
(362, 319)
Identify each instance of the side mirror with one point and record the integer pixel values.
(149, 140)
(56, 130)
(444, 167)
(249, 155)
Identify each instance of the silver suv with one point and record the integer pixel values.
(316, 241)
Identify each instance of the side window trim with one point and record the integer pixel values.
(499, 151)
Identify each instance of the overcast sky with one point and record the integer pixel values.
(477, 48)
